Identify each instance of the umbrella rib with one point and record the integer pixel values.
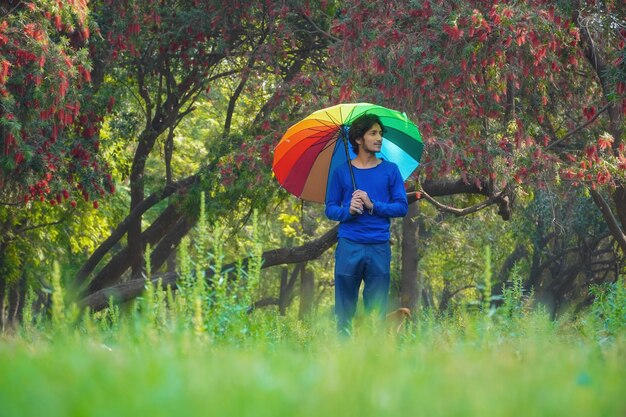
(341, 118)
(350, 114)
(332, 140)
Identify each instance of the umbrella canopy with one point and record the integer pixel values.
(310, 150)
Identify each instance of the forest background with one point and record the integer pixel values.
(117, 116)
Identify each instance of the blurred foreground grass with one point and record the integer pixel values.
(465, 365)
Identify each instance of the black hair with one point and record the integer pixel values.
(360, 126)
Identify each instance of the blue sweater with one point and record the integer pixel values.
(384, 186)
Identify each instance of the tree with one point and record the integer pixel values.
(169, 54)
(47, 120)
(521, 94)
(48, 124)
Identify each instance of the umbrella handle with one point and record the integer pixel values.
(345, 144)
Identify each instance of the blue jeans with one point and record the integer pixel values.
(356, 262)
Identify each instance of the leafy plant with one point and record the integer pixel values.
(609, 308)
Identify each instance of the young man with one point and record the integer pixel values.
(363, 252)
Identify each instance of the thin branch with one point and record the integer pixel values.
(264, 302)
(168, 151)
(221, 75)
(457, 291)
(614, 227)
(38, 226)
(460, 212)
(319, 29)
(19, 3)
(572, 249)
(579, 128)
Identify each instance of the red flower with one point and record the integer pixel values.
(603, 177)
(589, 112)
(605, 141)
(19, 157)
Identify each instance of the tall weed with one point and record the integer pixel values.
(609, 309)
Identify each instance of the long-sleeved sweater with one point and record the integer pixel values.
(385, 188)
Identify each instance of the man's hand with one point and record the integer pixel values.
(363, 198)
(356, 206)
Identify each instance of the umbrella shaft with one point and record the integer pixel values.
(345, 145)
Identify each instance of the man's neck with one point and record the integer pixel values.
(365, 159)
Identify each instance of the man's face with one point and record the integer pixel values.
(372, 139)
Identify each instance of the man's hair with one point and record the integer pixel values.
(360, 126)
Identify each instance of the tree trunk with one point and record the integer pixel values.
(619, 197)
(113, 271)
(172, 262)
(135, 244)
(520, 252)
(409, 287)
(613, 224)
(307, 293)
(427, 296)
(444, 301)
(168, 244)
(14, 304)
(287, 290)
(122, 228)
(22, 288)
(282, 293)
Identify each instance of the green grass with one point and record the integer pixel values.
(200, 352)
(464, 365)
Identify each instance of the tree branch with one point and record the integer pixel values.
(579, 128)
(465, 211)
(319, 29)
(39, 226)
(122, 227)
(611, 221)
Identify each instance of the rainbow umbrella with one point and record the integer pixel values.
(310, 150)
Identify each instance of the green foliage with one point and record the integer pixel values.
(453, 251)
(209, 302)
(36, 235)
(609, 308)
(514, 299)
(48, 115)
(487, 283)
(11, 264)
(58, 303)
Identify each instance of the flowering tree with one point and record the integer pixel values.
(521, 94)
(48, 123)
(49, 118)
